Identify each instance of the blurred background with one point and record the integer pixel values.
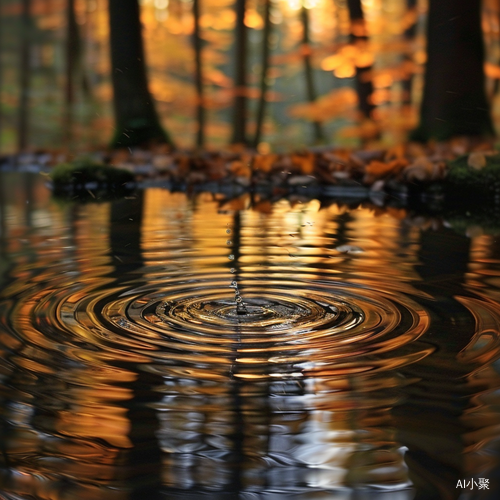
(55, 71)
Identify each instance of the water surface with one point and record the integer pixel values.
(362, 361)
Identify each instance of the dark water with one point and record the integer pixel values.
(362, 361)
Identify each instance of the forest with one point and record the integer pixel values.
(272, 75)
(249, 249)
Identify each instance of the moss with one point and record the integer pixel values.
(83, 171)
(487, 178)
(472, 195)
(71, 181)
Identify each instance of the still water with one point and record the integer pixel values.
(168, 346)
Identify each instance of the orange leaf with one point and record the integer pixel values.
(381, 169)
(264, 162)
(304, 162)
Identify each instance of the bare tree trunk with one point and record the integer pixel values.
(409, 36)
(200, 107)
(240, 80)
(1, 78)
(72, 54)
(319, 136)
(24, 76)
(454, 101)
(364, 85)
(496, 83)
(266, 49)
(137, 122)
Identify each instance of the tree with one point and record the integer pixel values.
(240, 78)
(137, 121)
(24, 76)
(359, 37)
(319, 136)
(72, 54)
(198, 76)
(1, 81)
(409, 35)
(266, 49)
(454, 101)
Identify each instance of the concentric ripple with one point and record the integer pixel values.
(282, 318)
(124, 350)
(270, 313)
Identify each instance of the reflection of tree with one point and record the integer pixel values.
(428, 421)
(52, 420)
(238, 456)
(19, 438)
(144, 459)
(3, 220)
(483, 415)
(125, 235)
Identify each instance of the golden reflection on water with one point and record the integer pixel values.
(368, 356)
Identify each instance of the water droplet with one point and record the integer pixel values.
(229, 242)
(238, 299)
(228, 231)
(231, 257)
(232, 270)
(233, 284)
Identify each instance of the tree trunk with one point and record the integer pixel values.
(240, 79)
(261, 110)
(1, 82)
(496, 83)
(137, 122)
(200, 108)
(24, 76)
(409, 36)
(72, 54)
(454, 101)
(364, 85)
(308, 72)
